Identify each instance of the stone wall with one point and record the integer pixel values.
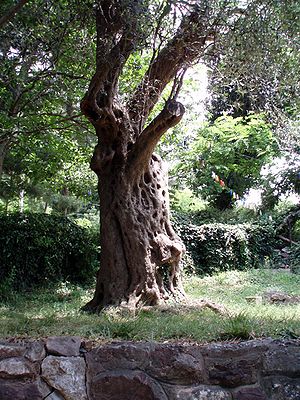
(60, 368)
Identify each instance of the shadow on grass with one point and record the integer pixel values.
(225, 315)
(196, 325)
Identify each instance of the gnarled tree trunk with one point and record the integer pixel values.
(140, 252)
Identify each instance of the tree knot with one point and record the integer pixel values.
(168, 250)
(175, 108)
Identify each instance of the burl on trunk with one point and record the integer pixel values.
(140, 252)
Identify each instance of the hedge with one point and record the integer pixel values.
(219, 247)
(295, 258)
(38, 249)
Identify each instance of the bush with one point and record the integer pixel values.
(37, 249)
(185, 201)
(219, 247)
(295, 258)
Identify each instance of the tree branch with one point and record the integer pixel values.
(115, 43)
(287, 240)
(101, 91)
(10, 13)
(144, 146)
(179, 53)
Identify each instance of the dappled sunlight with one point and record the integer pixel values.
(244, 292)
(217, 308)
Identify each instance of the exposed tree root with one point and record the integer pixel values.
(192, 305)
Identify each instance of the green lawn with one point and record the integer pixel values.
(56, 312)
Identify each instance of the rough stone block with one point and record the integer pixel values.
(118, 356)
(201, 392)
(249, 393)
(181, 365)
(232, 365)
(233, 372)
(66, 375)
(282, 359)
(22, 390)
(281, 388)
(8, 350)
(125, 385)
(63, 345)
(17, 367)
(35, 351)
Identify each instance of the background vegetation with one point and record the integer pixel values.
(41, 249)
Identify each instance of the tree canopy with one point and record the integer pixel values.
(46, 54)
(255, 64)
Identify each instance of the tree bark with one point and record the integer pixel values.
(140, 252)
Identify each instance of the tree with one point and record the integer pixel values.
(140, 252)
(254, 67)
(9, 14)
(262, 76)
(281, 178)
(226, 158)
(45, 166)
(42, 79)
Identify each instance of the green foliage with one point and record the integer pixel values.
(185, 201)
(258, 61)
(296, 231)
(38, 249)
(281, 178)
(219, 247)
(56, 160)
(295, 258)
(46, 55)
(235, 149)
(133, 72)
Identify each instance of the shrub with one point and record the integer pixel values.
(295, 258)
(220, 247)
(296, 231)
(36, 249)
(185, 201)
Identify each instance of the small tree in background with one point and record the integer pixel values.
(226, 158)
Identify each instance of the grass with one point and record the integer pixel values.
(56, 312)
